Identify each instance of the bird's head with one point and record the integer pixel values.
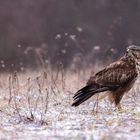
(134, 51)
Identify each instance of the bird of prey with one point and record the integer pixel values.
(116, 79)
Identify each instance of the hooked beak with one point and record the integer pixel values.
(128, 50)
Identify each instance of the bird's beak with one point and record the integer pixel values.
(128, 50)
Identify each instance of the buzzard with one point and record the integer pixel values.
(116, 79)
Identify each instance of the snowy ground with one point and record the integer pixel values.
(53, 118)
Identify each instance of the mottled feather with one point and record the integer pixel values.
(117, 78)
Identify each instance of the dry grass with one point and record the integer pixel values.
(37, 105)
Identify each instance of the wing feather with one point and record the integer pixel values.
(117, 76)
(117, 73)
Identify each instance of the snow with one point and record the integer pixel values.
(61, 120)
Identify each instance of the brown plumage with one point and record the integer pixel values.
(116, 79)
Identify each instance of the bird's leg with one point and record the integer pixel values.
(117, 99)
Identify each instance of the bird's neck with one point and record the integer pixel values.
(135, 61)
(137, 66)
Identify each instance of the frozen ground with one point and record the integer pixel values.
(60, 121)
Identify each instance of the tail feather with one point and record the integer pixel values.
(86, 92)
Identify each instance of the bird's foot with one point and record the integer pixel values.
(119, 108)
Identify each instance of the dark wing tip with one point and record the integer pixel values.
(74, 104)
(77, 102)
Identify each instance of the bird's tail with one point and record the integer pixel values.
(86, 92)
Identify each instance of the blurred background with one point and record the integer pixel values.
(75, 33)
